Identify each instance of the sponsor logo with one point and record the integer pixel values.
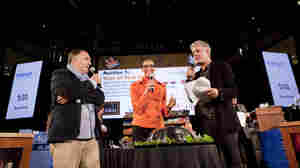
(23, 75)
(284, 86)
(286, 96)
(20, 107)
(112, 72)
(275, 64)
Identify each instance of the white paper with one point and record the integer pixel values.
(196, 90)
(242, 117)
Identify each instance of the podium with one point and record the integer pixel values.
(273, 117)
(14, 141)
(269, 117)
(286, 129)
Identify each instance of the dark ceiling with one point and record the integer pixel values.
(146, 26)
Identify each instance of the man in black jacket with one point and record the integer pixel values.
(74, 127)
(216, 118)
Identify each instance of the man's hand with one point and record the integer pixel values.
(234, 101)
(100, 113)
(213, 92)
(96, 78)
(61, 100)
(103, 128)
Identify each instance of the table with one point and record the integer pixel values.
(117, 158)
(286, 129)
(188, 156)
(16, 141)
(269, 117)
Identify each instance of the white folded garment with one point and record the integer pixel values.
(196, 90)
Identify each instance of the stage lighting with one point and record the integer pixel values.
(44, 27)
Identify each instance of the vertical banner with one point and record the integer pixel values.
(281, 78)
(24, 90)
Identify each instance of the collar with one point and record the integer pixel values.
(77, 74)
(206, 69)
(145, 79)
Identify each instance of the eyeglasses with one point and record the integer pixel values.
(148, 66)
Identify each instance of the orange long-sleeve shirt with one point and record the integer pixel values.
(148, 109)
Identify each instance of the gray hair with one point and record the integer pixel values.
(199, 43)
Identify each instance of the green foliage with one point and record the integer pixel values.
(170, 140)
(188, 140)
(207, 138)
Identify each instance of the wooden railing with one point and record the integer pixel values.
(18, 140)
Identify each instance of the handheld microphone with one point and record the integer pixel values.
(197, 68)
(151, 77)
(92, 70)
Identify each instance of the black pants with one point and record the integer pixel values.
(140, 133)
(231, 150)
(229, 144)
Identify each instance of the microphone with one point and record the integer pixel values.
(92, 70)
(151, 77)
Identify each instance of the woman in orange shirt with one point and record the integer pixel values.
(148, 98)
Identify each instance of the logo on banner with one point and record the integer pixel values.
(24, 75)
(284, 86)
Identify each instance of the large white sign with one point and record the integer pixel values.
(281, 78)
(116, 87)
(24, 90)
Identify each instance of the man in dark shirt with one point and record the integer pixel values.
(73, 129)
(216, 118)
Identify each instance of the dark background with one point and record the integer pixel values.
(149, 27)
